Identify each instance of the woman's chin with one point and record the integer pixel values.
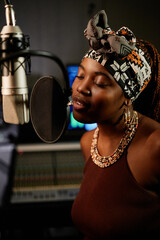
(80, 118)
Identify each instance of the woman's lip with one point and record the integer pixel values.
(79, 104)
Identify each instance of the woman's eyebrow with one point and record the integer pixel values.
(102, 73)
(97, 73)
(80, 65)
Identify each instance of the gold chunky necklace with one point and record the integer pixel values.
(103, 161)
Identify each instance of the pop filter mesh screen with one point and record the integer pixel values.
(48, 109)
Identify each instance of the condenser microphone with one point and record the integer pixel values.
(14, 88)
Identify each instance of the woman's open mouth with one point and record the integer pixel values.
(79, 104)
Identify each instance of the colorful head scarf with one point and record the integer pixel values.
(119, 53)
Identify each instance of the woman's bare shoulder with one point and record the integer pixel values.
(147, 139)
(85, 142)
(148, 128)
(152, 144)
(152, 130)
(144, 155)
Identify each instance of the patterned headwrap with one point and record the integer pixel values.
(119, 54)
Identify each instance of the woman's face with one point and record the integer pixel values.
(97, 97)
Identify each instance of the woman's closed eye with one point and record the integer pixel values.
(80, 77)
(102, 80)
(101, 83)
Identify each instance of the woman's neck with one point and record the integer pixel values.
(109, 137)
(109, 131)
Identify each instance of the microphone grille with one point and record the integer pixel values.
(15, 108)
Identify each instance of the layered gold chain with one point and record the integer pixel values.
(106, 161)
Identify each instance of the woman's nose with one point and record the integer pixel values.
(84, 87)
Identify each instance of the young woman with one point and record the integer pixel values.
(118, 86)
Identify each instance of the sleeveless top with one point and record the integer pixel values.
(112, 205)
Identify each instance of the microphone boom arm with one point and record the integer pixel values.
(40, 53)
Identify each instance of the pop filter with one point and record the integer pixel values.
(48, 109)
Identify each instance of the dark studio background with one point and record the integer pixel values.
(57, 26)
